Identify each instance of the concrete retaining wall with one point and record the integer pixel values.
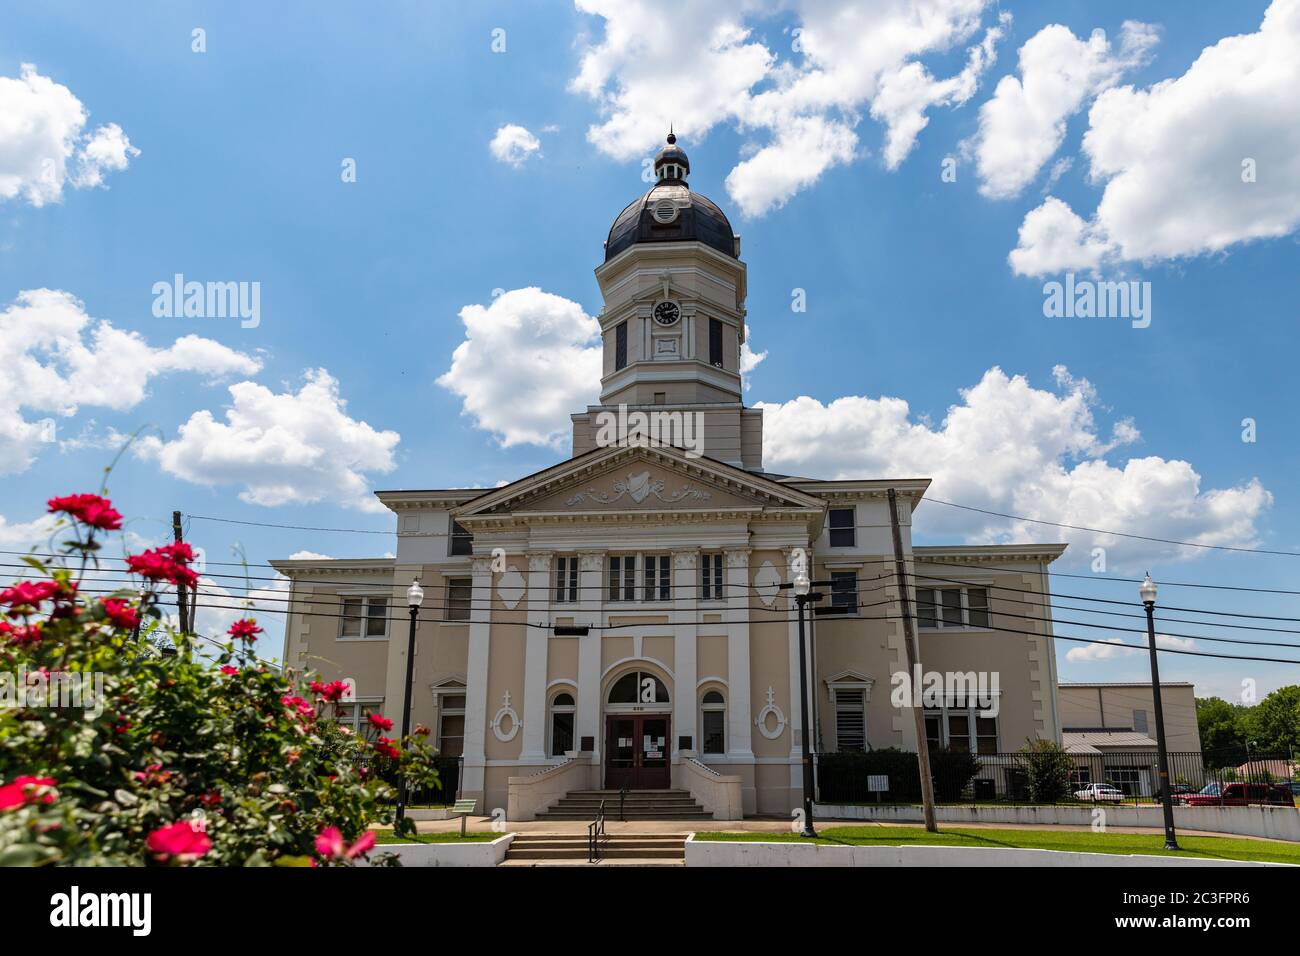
(746, 853)
(1274, 823)
(479, 853)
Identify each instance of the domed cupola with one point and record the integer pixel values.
(671, 212)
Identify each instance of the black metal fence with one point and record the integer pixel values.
(1114, 777)
(447, 790)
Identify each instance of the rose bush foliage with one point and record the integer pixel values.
(190, 761)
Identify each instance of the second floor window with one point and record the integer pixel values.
(460, 591)
(622, 577)
(711, 577)
(364, 617)
(952, 607)
(620, 346)
(844, 590)
(658, 578)
(566, 580)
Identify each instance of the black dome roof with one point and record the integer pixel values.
(671, 212)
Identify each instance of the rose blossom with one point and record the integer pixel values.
(89, 510)
(183, 842)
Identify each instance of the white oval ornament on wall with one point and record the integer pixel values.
(505, 715)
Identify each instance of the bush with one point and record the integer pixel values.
(842, 777)
(1048, 767)
(175, 759)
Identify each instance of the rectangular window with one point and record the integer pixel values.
(715, 343)
(850, 720)
(364, 617)
(934, 729)
(1140, 721)
(462, 542)
(561, 733)
(711, 577)
(566, 580)
(844, 590)
(460, 591)
(952, 607)
(451, 732)
(959, 733)
(714, 731)
(622, 577)
(620, 346)
(986, 734)
(657, 578)
(353, 714)
(842, 524)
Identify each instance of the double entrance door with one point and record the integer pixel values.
(637, 748)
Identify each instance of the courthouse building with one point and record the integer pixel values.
(617, 619)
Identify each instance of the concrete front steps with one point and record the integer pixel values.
(622, 849)
(639, 805)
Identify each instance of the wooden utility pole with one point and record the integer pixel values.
(182, 605)
(913, 662)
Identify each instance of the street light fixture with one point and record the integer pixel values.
(414, 598)
(802, 586)
(1147, 590)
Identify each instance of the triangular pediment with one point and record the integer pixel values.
(637, 480)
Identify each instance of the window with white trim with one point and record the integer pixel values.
(844, 591)
(961, 728)
(462, 542)
(566, 581)
(713, 723)
(460, 593)
(563, 712)
(451, 722)
(850, 719)
(952, 607)
(842, 524)
(352, 714)
(622, 577)
(658, 577)
(711, 577)
(364, 618)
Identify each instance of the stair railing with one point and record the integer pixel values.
(595, 833)
(622, 798)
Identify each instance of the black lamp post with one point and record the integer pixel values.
(801, 597)
(1148, 591)
(414, 598)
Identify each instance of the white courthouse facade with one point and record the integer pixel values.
(617, 619)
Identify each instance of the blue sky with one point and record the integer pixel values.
(910, 293)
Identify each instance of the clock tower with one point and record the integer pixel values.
(673, 320)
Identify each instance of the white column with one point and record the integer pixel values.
(686, 589)
(794, 718)
(536, 644)
(476, 676)
(739, 728)
(591, 581)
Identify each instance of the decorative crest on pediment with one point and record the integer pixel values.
(638, 487)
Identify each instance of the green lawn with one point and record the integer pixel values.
(1225, 848)
(387, 837)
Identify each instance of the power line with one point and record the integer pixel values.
(288, 527)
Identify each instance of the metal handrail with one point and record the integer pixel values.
(595, 831)
(622, 797)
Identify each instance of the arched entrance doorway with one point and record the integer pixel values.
(638, 726)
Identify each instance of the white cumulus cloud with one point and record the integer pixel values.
(528, 361)
(56, 359)
(1198, 163)
(514, 144)
(44, 144)
(1114, 648)
(1023, 124)
(798, 96)
(1012, 448)
(281, 448)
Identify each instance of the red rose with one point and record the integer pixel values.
(25, 790)
(229, 670)
(380, 721)
(22, 635)
(29, 593)
(183, 842)
(120, 613)
(246, 629)
(331, 846)
(305, 708)
(333, 692)
(89, 510)
(384, 747)
(168, 563)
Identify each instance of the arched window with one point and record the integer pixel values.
(562, 715)
(713, 723)
(638, 687)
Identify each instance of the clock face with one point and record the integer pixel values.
(666, 313)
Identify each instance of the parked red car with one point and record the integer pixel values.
(1237, 795)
